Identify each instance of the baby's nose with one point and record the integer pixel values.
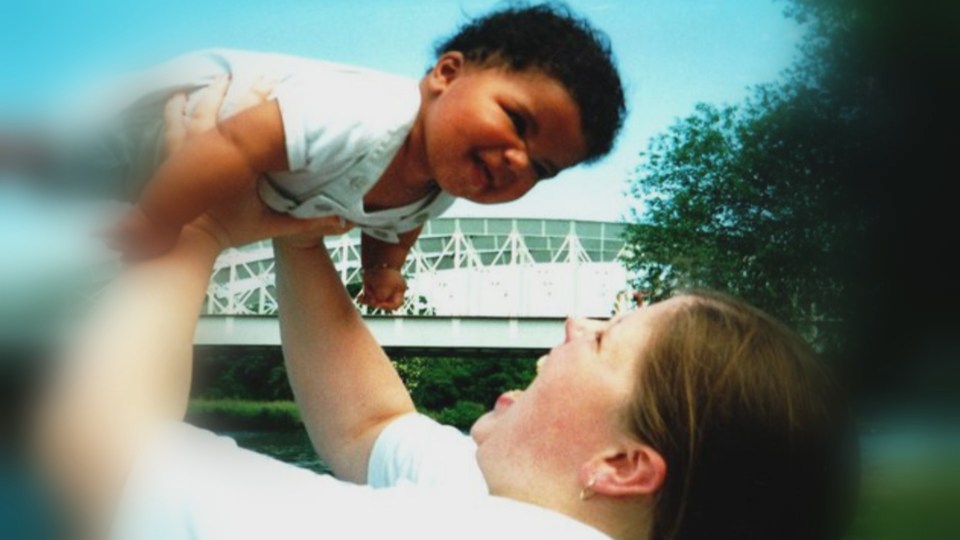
(518, 161)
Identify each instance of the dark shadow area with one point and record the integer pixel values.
(25, 508)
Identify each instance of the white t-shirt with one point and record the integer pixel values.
(193, 484)
(416, 450)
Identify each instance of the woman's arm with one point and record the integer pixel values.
(126, 371)
(345, 386)
(216, 164)
(221, 161)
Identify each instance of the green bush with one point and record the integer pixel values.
(441, 383)
(251, 373)
(461, 415)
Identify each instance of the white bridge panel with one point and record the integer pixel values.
(402, 332)
(501, 268)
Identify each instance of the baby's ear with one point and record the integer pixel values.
(447, 68)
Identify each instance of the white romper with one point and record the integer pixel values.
(342, 126)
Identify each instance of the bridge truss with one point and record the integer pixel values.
(462, 267)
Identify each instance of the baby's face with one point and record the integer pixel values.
(492, 134)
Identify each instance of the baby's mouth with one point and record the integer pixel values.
(485, 180)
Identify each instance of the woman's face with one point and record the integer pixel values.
(572, 410)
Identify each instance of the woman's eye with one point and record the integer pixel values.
(518, 123)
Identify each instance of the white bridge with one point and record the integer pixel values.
(474, 284)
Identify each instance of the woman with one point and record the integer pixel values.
(698, 417)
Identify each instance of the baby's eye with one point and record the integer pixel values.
(518, 122)
(541, 171)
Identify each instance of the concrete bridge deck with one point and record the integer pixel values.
(410, 334)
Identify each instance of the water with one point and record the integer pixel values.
(289, 446)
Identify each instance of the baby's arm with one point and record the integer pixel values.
(220, 162)
(383, 283)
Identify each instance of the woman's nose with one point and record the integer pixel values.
(578, 327)
(574, 328)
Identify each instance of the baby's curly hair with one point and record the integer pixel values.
(550, 38)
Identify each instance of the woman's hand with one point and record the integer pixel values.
(179, 128)
(311, 238)
(241, 219)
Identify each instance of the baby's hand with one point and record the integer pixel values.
(383, 288)
(136, 237)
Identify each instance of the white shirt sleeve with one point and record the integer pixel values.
(415, 449)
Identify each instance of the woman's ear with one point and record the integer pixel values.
(631, 469)
(447, 68)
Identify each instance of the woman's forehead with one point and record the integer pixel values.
(640, 314)
(638, 324)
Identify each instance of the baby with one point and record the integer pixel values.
(513, 98)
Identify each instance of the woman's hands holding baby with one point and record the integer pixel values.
(242, 218)
(235, 221)
(136, 236)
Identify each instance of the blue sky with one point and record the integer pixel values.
(672, 53)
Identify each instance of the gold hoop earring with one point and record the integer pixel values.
(587, 492)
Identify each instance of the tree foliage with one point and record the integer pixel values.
(251, 373)
(457, 391)
(824, 197)
(735, 200)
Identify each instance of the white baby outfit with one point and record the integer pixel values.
(342, 126)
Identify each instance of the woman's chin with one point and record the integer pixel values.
(481, 428)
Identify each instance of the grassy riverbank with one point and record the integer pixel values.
(244, 415)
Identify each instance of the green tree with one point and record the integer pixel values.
(824, 197)
(458, 390)
(746, 199)
(251, 373)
